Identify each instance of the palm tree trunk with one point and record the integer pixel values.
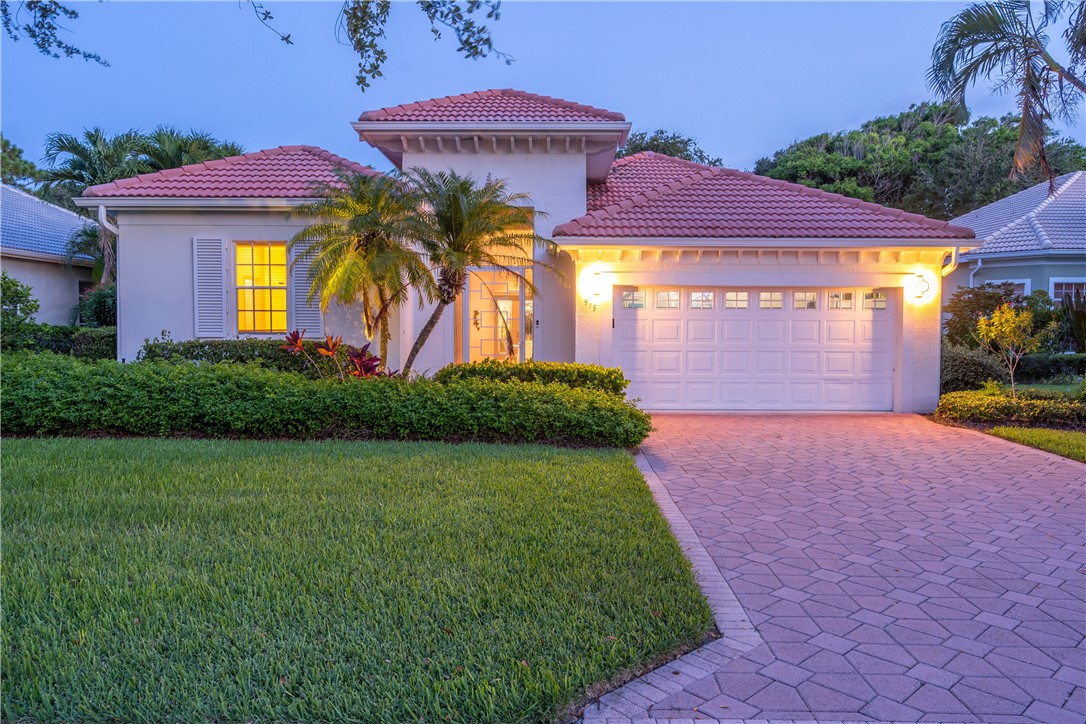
(385, 336)
(424, 335)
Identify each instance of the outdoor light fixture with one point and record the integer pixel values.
(591, 285)
(921, 287)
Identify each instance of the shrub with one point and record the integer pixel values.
(17, 310)
(84, 342)
(51, 394)
(965, 368)
(1041, 367)
(984, 407)
(592, 377)
(267, 353)
(98, 306)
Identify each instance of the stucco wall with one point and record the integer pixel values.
(155, 272)
(1036, 273)
(917, 345)
(54, 286)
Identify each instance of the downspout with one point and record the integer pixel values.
(973, 273)
(949, 268)
(105, 223)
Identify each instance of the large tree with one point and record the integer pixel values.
(167, 147)
(16, 170)
(361, 22)
(928, 160)
(1006, 43)
(668, 143)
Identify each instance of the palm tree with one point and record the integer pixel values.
(460, 225)
(168, 147)
(1003, 42)
(96, 158)
(358, 251)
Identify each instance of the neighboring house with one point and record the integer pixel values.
(1031, 239)
(713, 289)
(34, 237)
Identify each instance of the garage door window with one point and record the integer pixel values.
(667, 300)
(701, 300)
(633, 300)
(874, 300)
(735, 300)
(840, 300)
(805, 300)
(771, 300)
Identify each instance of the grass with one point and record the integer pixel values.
(395, 582)
(1050, 386)
(1068, 443)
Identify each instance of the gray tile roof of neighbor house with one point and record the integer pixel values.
(29, 224)
(1032, 220)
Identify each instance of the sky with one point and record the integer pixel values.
(745, 79)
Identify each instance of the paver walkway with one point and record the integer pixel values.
(893, 570)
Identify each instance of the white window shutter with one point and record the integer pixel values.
(209, 287)
(303, 315)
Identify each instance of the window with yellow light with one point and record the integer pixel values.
(261, 279)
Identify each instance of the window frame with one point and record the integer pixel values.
(233, 287)
(701, 306)
(678, 300)
(761, 300)
(875, 300)
(633, 299)
(1053, 281)
(806, 301)
(851, 301)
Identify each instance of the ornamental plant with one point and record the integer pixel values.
(1008, 333)
(360, 362)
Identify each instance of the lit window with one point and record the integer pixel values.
(840, 300)
(874, 300)
(667, 300)
(805, 300)
(1063, 289)
(735, 300)
(701, 300)
(771, 300)
(633, 300)
(262, 287)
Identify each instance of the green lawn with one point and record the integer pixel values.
(216, 580)
(1068, 443)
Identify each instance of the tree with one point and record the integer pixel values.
(358, 252)
(970, 304)
(1008, 333)
(16, 170)
(166, 147)
(670, 144)
(1004, 42)
(17, 310)
(362, 22)
(459, 224)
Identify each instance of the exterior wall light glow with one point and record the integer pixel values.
(591, 285)
(921, 287)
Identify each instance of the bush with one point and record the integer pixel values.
(98, 306)
(1041, 367)
(591, 377)
(51, 394)
(965, 368)
(84, 342)
(17, 310)
(986, 407)
(267, 353)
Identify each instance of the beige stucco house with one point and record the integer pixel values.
(713, 289)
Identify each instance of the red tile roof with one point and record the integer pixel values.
(493, 106)
(285, 172)
(652, 195)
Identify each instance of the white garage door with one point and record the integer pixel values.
(736, 348)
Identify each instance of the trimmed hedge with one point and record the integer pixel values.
(592, 377)
(53, 394)
(1041, 367)
(267, 353)
(965, 368)
(89, 343)
(985, 407)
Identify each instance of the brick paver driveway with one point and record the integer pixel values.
(893, 570)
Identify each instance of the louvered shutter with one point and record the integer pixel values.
(302, 314)
(209, 282)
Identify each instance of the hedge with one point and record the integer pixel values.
(1041, 367)
(593, 377)
(52, 394)
(965, 368)
(984, 407)
(84, 342)
(268, 353)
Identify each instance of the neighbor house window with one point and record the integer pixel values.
(633, 300)
(840, 300)
(735, 300)
(261, 273)
(771, 300)
(874, 300)
(805, 300)
(667, 300)
(1063, 289)
(701, 300)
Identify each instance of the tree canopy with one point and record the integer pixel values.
(929, 160)
(668, 143)
(15, 169)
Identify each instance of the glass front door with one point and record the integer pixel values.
(498, 317)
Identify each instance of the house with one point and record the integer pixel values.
(34, 237)
(712, 288)
(1032, 239)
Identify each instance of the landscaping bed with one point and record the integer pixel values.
(245, 580)
(1066, 443)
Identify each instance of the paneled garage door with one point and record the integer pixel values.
(735, 348)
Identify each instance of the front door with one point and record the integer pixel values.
(497, 317)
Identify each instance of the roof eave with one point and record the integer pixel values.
(595, 242)
(193, 203)
(43, 256)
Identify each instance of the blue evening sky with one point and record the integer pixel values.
(744, 78)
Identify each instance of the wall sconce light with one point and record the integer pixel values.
(591, 285)
(921, 287)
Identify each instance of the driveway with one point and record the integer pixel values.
(870, 568)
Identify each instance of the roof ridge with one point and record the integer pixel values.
(1030, 217)
(40, 200)
(381, 113)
